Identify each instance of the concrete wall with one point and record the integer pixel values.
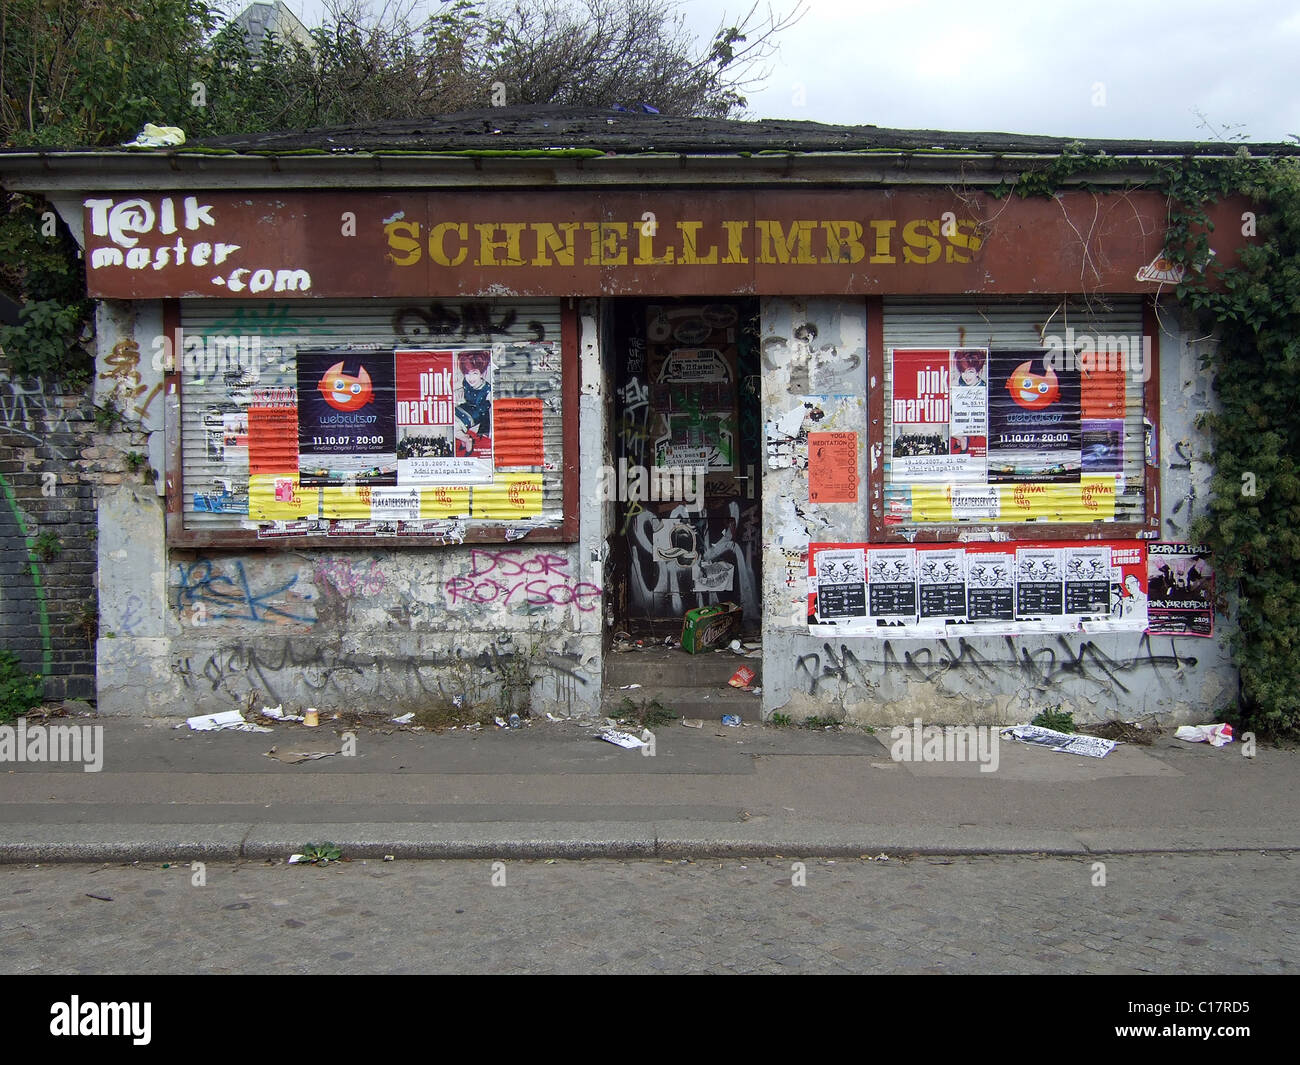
(359, 628)
(815, 349)
(354, 628)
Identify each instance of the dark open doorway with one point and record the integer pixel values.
(688, 466)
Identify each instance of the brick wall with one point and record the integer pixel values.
(49, 465)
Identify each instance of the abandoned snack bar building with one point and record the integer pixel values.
(441, 406)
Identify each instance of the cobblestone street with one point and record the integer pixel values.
(1209, 913)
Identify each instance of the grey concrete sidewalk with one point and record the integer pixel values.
(553, 789)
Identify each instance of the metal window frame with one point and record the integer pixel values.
(879, 533)
(484, 533)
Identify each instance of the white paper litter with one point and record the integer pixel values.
(294, 859)
(227, 719)
(628, 687)
(405, 719)
(620, 739)
(1070, 743)
(277, 713)
(1214, 735)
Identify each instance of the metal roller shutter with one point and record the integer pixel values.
(944, 323)
(524, 335)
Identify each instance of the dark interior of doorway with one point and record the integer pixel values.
(686, 399)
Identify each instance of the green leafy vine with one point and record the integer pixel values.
(1252, 309)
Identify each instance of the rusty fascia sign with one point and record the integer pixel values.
(299, 244)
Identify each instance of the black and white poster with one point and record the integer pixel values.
(1040, 589)
(841, 584)
(891, 584)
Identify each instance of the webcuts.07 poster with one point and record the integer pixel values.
(346, 428)
(1035, 431)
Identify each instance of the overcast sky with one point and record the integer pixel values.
(1136, 69)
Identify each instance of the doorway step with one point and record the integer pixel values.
(691, 686)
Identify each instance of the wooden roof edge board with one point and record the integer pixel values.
(105, 170)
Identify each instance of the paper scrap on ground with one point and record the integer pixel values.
(227, 719)
(1214, 735)
(1089, 746)
(276, 713)
(742, 678)
(693, 722)
(294, 757)
(621, 739)
(405, 719)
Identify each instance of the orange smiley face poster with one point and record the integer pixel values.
(1035, 430)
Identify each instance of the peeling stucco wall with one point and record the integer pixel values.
(813, 352)
(354, 628)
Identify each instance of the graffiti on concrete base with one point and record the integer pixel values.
(1040, 667)
(212, 595)
(289, 671)
(520, 582)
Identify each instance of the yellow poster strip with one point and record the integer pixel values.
(930, 502)
(279, 497)
(509, 497)
(1092, 499)
(446, 501)
(348, 501)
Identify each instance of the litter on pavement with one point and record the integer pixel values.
(294, 757)
(1070, 743)
(742, 678)
(620, 739)
(706, 627)
(1214, 735)
(227, 719)
(276, 713)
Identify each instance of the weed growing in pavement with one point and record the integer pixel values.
(1054, 718)
(321, 853)
(649, 714)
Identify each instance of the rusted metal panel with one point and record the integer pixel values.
(655, 242)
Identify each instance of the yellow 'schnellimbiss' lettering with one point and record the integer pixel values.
(765, 242)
